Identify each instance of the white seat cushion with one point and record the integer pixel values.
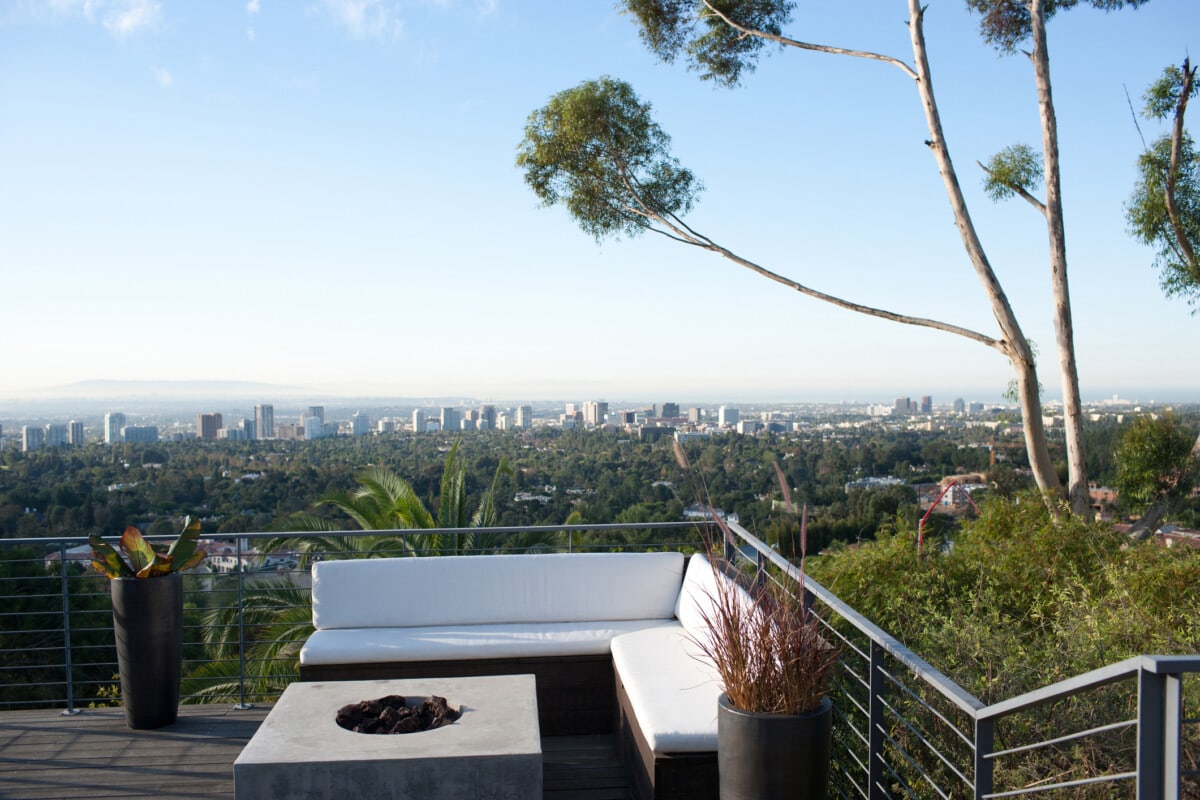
(464, 642)
(672, 687)
(483, 590)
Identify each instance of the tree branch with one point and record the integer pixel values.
(1185, 245)
(819, 48)
(1017, 190)
(682, 233)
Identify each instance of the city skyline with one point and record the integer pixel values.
(312, 197)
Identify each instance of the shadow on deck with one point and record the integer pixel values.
(93, 754)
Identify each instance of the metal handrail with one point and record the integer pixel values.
(914, 729)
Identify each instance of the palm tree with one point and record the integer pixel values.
(384, 501)
(277, 611)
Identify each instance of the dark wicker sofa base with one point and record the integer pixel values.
(574, 693)
(678, 776)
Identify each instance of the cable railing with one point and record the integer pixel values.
(902, 728)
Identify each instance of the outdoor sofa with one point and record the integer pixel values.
(608, 636)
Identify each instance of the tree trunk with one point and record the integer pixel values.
(1016, 346)
(1077, 489)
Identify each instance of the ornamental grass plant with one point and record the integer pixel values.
(764, 640)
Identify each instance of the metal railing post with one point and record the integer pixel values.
(875, 732)
(985, 735)
(242, 704)
(1151, 750)
(66, 610)
(570, 541)
(1172, 735)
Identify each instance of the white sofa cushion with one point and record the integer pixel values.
(464, 642)
(480, 590)
(672, 687)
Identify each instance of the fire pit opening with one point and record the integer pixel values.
(397, 714)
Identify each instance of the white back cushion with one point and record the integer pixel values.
(481, 590)
(697, 597)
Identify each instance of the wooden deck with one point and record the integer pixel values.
(93, 754)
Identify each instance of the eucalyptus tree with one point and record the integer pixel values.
(1164, 211)
(596, 150)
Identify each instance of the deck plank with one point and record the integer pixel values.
(94, 755)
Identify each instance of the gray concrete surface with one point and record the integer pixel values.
(492, 752)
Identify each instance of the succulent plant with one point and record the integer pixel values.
(141, 560)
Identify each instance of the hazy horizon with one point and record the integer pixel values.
(323, 195)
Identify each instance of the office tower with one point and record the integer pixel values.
(926, 404)
(902, 405)
(207, 426)
(75, 433)
(524, 417)
(451, 419)
(113, 423)
(668, 410)
(418, 420)
(385, 426)
(315, 428)
(56, 435)
(360, 424)
(693, 415)
(594, 413)
(264, 421)
(314, 411)
(960, 406)
(487, 418)
(727, 417)
(32, 438)
(140, 433)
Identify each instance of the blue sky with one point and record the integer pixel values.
(322, 193)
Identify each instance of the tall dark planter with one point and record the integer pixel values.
(768, 756)
(148, 622)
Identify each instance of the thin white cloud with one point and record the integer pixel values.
(253, 7)
(250, 34)
(163, 77)
(128, 17)
(121, 18)
(367, 19)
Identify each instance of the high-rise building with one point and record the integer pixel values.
(451, 419)
(56, 434)
(524, 417)
(727, 417)
(668, 410)
(113, 423)
(32, 438)
(594, 413)
(207, 426)
(360, 424)
(960, 406)
(903, 405)
(140, 433)
(314, 411)
(926, 404)
(418, 420)
(315, 428)
(385, 426)
(487, 418)
(264, 421)
(694, 414)
(75, 434)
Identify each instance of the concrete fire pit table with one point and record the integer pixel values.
(493, 751)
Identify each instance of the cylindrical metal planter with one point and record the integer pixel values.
(767, 756)
(148, 622)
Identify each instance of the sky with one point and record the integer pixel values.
(322, 193)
